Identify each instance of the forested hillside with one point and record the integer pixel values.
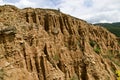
(112, 27)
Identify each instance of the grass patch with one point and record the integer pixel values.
(97, 49)
(3, 74)
(75, 77)
(114, 58)
(56, 57)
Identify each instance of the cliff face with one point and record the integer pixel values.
(45, 44)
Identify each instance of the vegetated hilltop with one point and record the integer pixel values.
(45, 44)
(112, 27)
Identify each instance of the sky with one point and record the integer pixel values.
(93, 11)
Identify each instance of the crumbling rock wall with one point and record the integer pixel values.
(45, 44)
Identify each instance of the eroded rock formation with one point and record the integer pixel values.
(45, 44)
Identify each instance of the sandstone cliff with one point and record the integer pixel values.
(45, 44)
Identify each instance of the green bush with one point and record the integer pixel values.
(118, 74)
(92, 43)
(119, 42)
(97, 49)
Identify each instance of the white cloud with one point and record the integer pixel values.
(108, 16)
(88, 3)
(25, 3)
(90, 10)
(1, 2)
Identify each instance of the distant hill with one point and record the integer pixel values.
(112, 27)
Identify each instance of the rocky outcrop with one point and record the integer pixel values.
(46, 44)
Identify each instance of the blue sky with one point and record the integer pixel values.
(93, 11)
